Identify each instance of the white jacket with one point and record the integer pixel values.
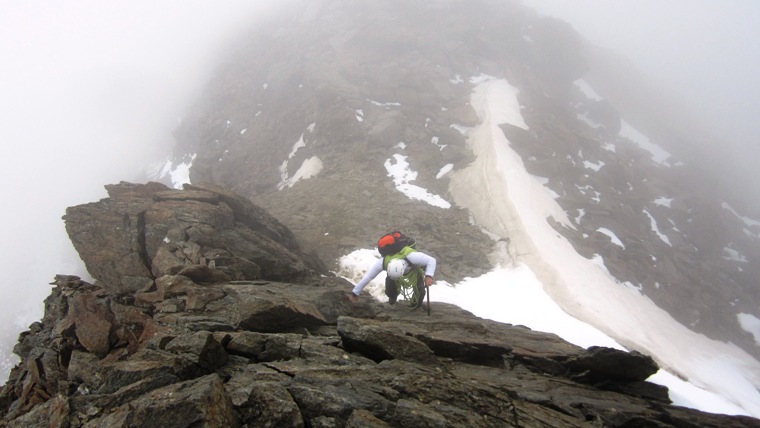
(416, 258)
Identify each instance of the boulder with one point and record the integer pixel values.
(271, 316)
(378, 342)
(199, 402)
(607, 364)
(207, 234)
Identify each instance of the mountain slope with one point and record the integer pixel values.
(311, 116)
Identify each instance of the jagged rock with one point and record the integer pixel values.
(613, 364)
(199, 402)
(201, 348)
(269, 316)
(93, 321)
(143, 366)
(270, 405)
(379, 343)
(80, 369)
(446, 369)
(365, 419)
(265, 347)
(144, 232)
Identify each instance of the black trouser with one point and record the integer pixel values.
(391, 290)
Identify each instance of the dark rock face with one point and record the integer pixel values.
(203, 351)
(143, 233)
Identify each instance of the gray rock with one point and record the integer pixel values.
(379, 343)
(200, 402)
(201, 348)
(144, 232)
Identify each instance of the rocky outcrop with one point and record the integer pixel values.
(145, 232)
(280, 354)
(207, 351)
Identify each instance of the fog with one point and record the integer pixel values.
(705, 51)
(91, 91)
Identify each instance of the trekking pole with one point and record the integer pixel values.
(428, 297)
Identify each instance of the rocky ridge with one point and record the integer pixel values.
(206, 340)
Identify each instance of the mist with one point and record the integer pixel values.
(91, 92)
(705, 52)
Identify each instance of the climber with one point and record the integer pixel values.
(406, 268)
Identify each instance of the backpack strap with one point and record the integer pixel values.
(400, 255)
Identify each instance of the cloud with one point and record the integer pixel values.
(704, 51)
(91, 92)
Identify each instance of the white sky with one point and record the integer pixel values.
(706, 48)
(91, 91)
(706, 51)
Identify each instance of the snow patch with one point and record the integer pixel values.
(750, 223)
(655, 229)
(587, 90)
(595, 166)
(179, 175)
(509, 110)
(354, 265)
(615, 240)
(445, 170)
(402, 175)
(300, 143)
(584, 118)
(457, 79)
(733, 255)
(435, 141)
(581, 213)
(659, 155)
(750, 324)
(460, 128)
(309, 168)
(384, 105)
